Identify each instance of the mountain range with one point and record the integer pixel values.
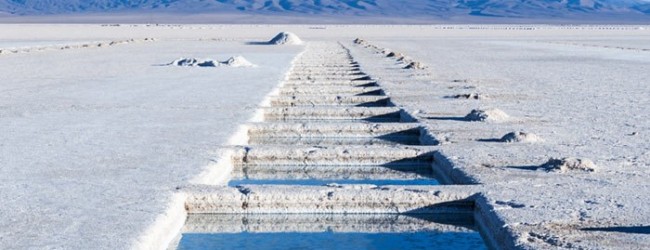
(438, 9)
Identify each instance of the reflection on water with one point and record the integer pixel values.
(318, 175)
(329, 240)
(328, 231)
(319, 182)
(405, 140)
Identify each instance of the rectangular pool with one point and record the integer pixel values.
(327, 231)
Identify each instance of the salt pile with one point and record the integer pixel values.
(569, 164)
(415, 65)
(475, 96)
(488, 115)
(208, 63)
(360, 41)
(395, 54)
(235, 62)
(520, 137)
(185, 62)
(286, 38)
(238, 61)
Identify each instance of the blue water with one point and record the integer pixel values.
(319, 182)
(332, 240)
(331, 231)
(388, 140)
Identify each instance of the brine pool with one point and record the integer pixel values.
(222, 231)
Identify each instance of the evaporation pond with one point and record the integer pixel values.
(313, 231)
(318, 182)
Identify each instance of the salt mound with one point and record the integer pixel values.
(488, 115)
(238, 61)
(520, 137)
(569, 164)
(235, 61)
(185, 62)
(475, 96)
(395, 54)
(415, 65)
(193, 62)
(402, 59)
(360, 41)
(286, 38)
(208, 63)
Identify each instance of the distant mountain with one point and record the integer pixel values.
(369, 8)
(552, 8)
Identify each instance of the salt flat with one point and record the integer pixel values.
(96, 140)
(581, 101)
